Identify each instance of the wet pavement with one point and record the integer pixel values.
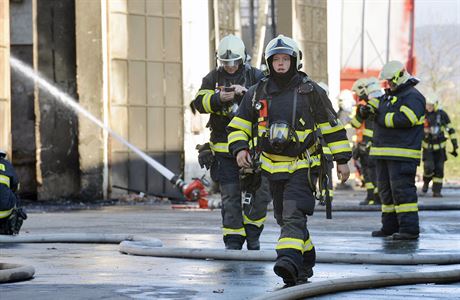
(100, 271)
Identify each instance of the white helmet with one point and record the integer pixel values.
(373, 88)
(432, 99)
(283, 45)
(324, 87)
(395, 72)
(2, 153)
(231, 51)
(359, 87)
(346, 100)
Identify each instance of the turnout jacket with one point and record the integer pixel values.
(436, 123)
(207, 101)
(9, 183)
(313, 111)
(398, 126)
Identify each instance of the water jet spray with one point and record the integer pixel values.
(193, 191)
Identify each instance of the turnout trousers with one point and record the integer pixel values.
(396, 184)
(293, 200)
(433, 168)
(240, 222)
(369, 175)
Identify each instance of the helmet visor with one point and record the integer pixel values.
(230, 62)
(284, 50)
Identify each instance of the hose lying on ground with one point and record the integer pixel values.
(14, 272)
(140, 248)
(99, 238)
(325, 286)
(361, 282)
(339, 207)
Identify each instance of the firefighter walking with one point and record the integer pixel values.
(398, 134)
(365, 89)
(220, 95)
(434, 145)
(283, 111)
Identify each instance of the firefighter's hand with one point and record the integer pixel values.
(365, 111)
(343, 172)
(243, 159)
(239, 89)
(227, 96)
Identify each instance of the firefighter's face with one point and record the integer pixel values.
(281, 63)
(429, 107)
(231, 69)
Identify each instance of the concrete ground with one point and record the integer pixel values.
(100, 271)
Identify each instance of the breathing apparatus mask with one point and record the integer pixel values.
(280, 135)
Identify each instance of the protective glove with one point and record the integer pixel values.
(365, 111)
(205, 156)
(455, 146)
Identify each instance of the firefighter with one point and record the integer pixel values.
(11, 215)
(283, 111)
(434, 145)
(364, 131)
(398, 134)
(220, 94)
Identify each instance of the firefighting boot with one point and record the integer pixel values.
(306, 271)
(437, 195)
(252, 236)
(425, 185)
(233, 242)
(380, 233)
(286, 269)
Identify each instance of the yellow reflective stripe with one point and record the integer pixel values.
(5, 180)
(368, 132)
(437, 179)
(206, 100)
(5, 213)
(407, 207)
(331, 193)
(398, 152)
(219, 147)
(276, 157)
(374, 102)
(238, 231)
(388, 208)
(288, 167)
(421, 120)
(394, 99)
(355, 122)
(326, 128)
(257, 223)
(303, 134)
(426, 145)
(237, 136)
(307, 245)
(241, 124)
(389, 120)
(326, 150)
(376, 190)
(2, 167)
(290, 243)
(339, 147)
(409, 114)
(369, 185)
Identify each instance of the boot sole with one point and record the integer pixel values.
(288, 278)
